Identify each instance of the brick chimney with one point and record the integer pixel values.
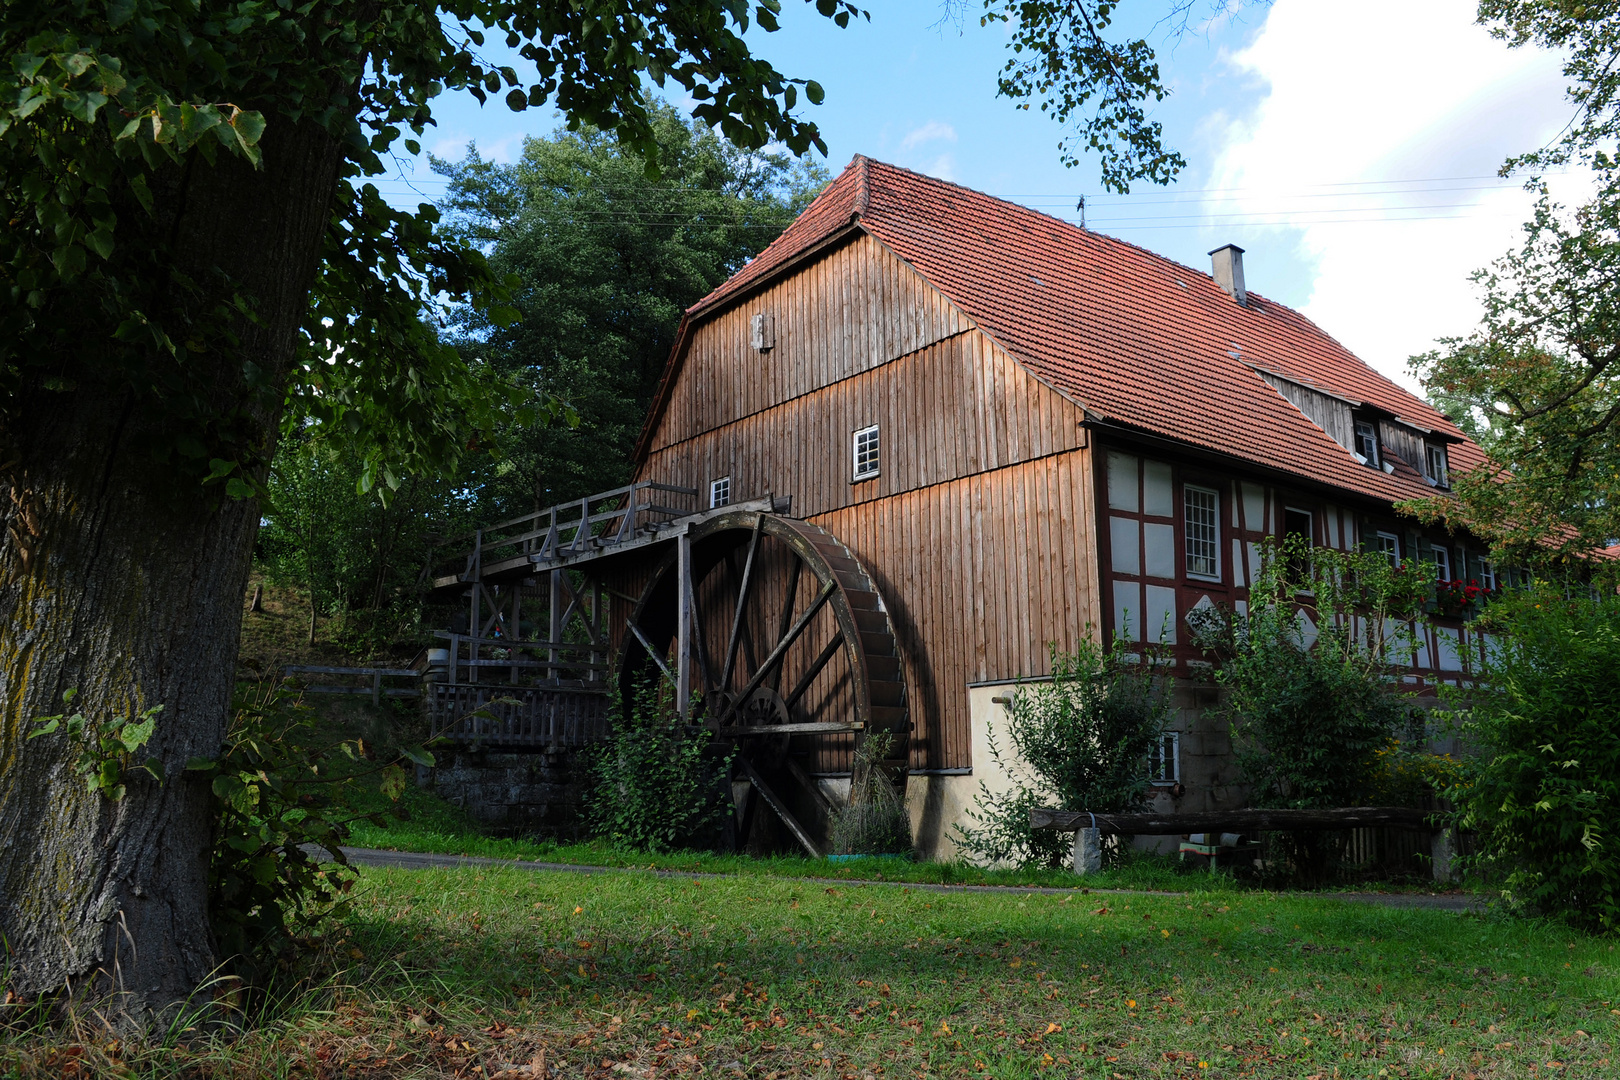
(1228, 271)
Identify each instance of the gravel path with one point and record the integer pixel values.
(410, 860)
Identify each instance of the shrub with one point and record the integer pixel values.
(875, 821)
(1311, 692)
(1542, 791)
(1079, 742)
(281, 795)
(655, 783)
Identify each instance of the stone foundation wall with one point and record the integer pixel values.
(513, 793)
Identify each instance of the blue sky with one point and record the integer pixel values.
(1349, 149)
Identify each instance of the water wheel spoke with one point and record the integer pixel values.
(652, 652)
(764, 791)
(829, 651)
(774, 660)
(787, 612)
(697, 637)
(808, 783)
(737, 619)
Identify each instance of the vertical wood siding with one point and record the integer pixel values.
(854, 310)
(953, 408)
(981, 574)
(978, 529)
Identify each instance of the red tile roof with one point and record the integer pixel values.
(1133, 336)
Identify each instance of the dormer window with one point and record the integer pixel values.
(1435, 461)
(1367, 442)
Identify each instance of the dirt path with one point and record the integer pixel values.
(410, 860)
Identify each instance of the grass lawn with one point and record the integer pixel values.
(476, 972)
(435, 826)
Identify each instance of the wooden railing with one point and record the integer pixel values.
(374, 681)
(520, 716)
(472, 660)
(568, 529)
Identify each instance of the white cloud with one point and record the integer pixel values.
(933, 131)
(1395, 92)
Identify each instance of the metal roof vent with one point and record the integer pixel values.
(1228, 272)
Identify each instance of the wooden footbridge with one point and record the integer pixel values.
(764, 628)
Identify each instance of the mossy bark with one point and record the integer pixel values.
(124, 579)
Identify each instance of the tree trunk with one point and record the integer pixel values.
(257, 607)
(124, 581)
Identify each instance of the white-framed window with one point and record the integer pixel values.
(720, 492)
(865, 443)
(1487, 574)
(1164, 760)
(1367, 442)
(1389, 545)
(1442, 562)
(1202, 508)
(1435, 459)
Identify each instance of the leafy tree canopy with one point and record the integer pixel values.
(1538, 384)
(608, 257)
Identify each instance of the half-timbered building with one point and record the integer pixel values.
(1028, 433)
(925, 437)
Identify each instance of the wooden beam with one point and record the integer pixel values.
(1352, 817)
(765, 792)
(683, 624)
(810, 786)
(774, 660)
(828, 651)
(789, 729)
(742, 604)
(652, 652)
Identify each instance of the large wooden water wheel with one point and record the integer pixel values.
(790, 656)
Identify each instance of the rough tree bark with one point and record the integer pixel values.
(125, 582)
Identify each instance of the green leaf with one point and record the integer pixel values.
(217, 468)
(101, 242)
(237, 488)
(517, 100)
(120, 12)
(417, 755)
(249, 126)
(48, 726)
(813, 91)
(155, 767)
(198, 764)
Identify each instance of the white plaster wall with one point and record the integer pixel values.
(940, 803)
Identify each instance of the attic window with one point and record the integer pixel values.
(1367, 442)
(866, 452)
(1435, 459)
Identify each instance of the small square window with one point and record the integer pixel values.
(1203, 532)
(1164, 760)
(866, 452)
(1389, 545)
(1438, 473)
(1367, 442)
(720, 492)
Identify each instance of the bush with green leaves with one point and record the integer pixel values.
(1541, 791)
(656, 783)
(1309, 674)
(1079, 742)
(281, 790)
(875, 821)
